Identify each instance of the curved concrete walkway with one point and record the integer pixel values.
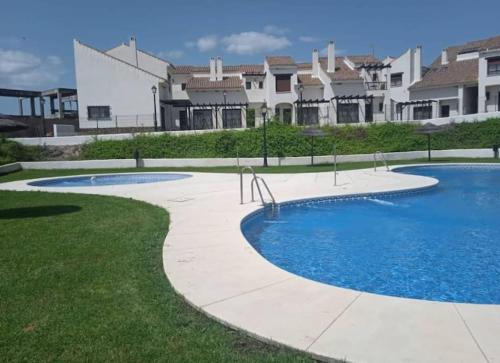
(209, 263)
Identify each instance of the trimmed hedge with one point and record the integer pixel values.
(286, 140)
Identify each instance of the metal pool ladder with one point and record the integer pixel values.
(255, 181)
(382, 157)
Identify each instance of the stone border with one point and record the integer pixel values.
(212, 162)
(212, 266)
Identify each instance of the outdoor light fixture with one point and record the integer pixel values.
(301, 90)
(154, 89)
(42, 114)
(263, 111)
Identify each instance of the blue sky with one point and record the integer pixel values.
(36, 36)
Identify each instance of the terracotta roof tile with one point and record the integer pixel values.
(456, 72)
(241, 68)
(308, 80)
(342, 70)
(280, 61)
(452, 74)
(204, 83)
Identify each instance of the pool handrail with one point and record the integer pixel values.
(382, 157)
(255, 179)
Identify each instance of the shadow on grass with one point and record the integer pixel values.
(40, 211)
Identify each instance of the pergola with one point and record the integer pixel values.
(350, 100)
(299, 104)
(189, 106)
(61, 94)
(400, 106)
(373, 66)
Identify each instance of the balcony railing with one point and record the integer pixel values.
(376, 86)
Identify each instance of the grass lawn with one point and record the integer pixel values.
(82, 280)
(33, 173)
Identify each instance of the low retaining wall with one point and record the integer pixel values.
(9, 168)
(301, 160)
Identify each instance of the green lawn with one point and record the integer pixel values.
(31, 174)
(82, 280)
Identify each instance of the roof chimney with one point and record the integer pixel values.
(315, 63)
(133, 51)
(212, 69)
(219, 69)
(331, 57)
(417, 64)
(444, 57)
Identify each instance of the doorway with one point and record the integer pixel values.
(445, 110)
(183, 122)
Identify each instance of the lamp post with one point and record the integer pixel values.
(263, 110)
(42, 114)
(154, 89)
(224, 111)
(301, 90)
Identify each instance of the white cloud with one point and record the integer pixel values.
(22, 69)
(204, 44)
(254, 42)
(171, 54)
(274, 29)
(308, 39)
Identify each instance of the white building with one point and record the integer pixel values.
(464, 79)
(115, 88)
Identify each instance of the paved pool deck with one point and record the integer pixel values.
(209, 262)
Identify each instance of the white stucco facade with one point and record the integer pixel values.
(327, 90)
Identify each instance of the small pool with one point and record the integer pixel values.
(441, 243)
(108, 179)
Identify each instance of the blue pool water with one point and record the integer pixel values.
(441, 243)
(108, 179)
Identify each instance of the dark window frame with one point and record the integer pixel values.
(397, 79)
(202, 119)
(422, 112)
(308, 115)
(380, 107)
(348, 113)
(493, 67)
(248, 85)
(283, 83)
(183, 86)
(229, 119)
(261, 84)
(99, 112)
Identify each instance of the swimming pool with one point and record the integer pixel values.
(440, 244)
(108, 179)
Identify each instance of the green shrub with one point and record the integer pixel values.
(11, 151)
(286, 140)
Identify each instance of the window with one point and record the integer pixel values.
(380, 107)
(98, 112)
(445, 110)
(183, 86)
(248, 85)
(283, 82)
(396, 80)
(487, 96)
(347, 113)
(494, 66)
(308, 116)
(375, 77)
(202, 119)
(231, 118)
(422, 112)
(261, 84)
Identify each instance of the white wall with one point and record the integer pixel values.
(105, 81)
